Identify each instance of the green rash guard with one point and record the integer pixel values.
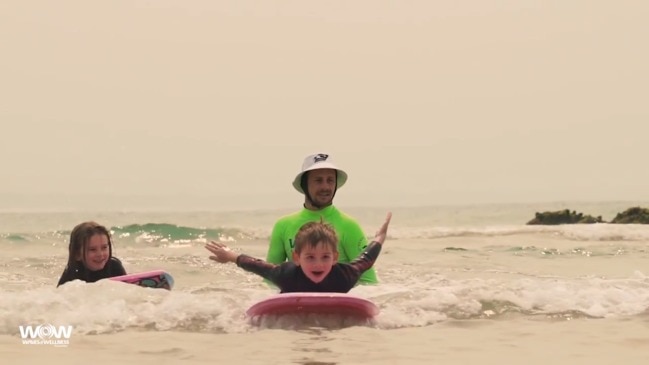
(351, 239)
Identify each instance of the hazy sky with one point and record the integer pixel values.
(216, 103)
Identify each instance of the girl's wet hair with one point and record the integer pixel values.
(313, 234)
(80, 236)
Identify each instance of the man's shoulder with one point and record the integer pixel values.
(333, 215)
(289, 218)
(345, 217)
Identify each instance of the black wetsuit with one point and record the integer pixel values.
(79, 272)
(290, 278)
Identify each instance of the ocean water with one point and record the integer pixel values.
(459, 284)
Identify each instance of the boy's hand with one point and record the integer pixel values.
(383, 231)
(222, 253)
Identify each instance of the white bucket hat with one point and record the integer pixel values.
(315, 162)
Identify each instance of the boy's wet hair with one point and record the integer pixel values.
(79, 238)
(313, 234)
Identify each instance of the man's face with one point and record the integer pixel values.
(321, 185)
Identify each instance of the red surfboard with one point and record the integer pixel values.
(317, 303)
(149, 279)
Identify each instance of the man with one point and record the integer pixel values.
(318, 181)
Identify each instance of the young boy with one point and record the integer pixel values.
(314, 267)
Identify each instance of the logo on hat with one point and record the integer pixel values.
(320, 157)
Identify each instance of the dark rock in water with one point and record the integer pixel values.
(635, 215)
(563, 217)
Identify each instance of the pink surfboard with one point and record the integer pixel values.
(317, 303)
(149, 279)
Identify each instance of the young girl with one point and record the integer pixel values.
(314, 267)
(91, 255)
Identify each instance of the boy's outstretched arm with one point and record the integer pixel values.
(223, 254)
(367, 258)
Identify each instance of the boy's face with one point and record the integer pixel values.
(316, 262)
